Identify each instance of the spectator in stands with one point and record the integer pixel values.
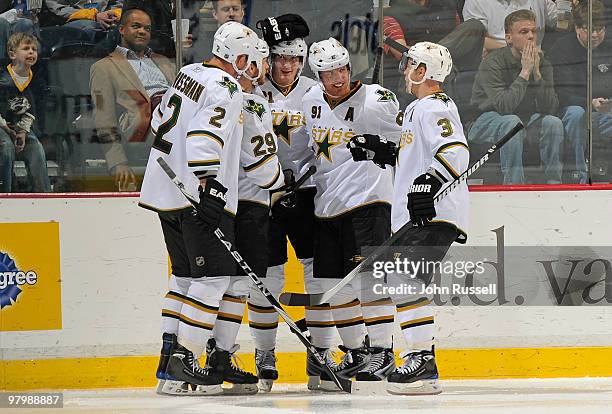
(90, 16)
(223, 11)
(493, 12)
(125, 87)
(569, 57)
(515, 83)
(16, 18)
(21, 93)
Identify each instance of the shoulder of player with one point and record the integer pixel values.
(255, 105)
(437, 102)
(306, 83)
(313, 93)
(379, 98)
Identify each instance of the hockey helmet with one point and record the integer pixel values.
(327, 55)
(436, 58)
(233, 39)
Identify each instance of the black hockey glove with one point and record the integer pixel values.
(212, 201)
(284, 198)
(421, 197)
(283, 28)
(373, 147)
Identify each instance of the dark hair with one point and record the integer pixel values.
(580, 13)
(215, 4)
(518, 16)
(126, 14)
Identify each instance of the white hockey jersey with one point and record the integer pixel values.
(260, 169)
(294, 152)
(432, 136)
(197, 132)
(343, 184)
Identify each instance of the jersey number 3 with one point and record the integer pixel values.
(447, 128)
(160, 143)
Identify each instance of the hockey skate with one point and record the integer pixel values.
(417, 376)
(222, 363)
(265, 364)
(168, 345)
(314, 369)
(353, 361)
(184, 376)
(371, 379)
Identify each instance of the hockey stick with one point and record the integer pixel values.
(305, 299)
(344, 385)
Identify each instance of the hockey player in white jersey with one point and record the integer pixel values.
(260, 172)
(284, 92)
(352, 204)
(432, 152)
(198, 133)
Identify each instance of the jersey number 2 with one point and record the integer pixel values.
(160, 143)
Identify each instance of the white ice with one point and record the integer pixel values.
(532, 396)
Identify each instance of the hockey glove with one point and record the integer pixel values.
(284, 198)
(421, 197)
(212, 201)
(373, 147)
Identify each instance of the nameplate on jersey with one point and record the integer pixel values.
(188, 86)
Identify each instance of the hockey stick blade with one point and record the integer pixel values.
(305, 299)
(343, 384)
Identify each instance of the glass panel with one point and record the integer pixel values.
(486, 82)
(89, 126)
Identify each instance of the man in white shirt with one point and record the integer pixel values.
(493, 12)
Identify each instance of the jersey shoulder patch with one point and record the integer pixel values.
(255, 108)
(228, 84)
(385, 95)
(441, 96)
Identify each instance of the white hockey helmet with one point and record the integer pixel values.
(261, 53)
(327, 55)
(436, 58)
(233, 39)
(295, 47)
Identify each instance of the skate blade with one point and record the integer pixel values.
(369, 387)
(314, 382)
(241, 389)
(424, 387)
(160, 387)
(265, 385)
(328, 386)
(182, 388)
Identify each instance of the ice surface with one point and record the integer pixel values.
(533, 396)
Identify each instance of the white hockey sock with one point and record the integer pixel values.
(349, 322)
(199, 312)
(228, 321)
(320, 322)
(172, 303)
(308, 265)
(417, 322)
(378, 317)
(263, 321)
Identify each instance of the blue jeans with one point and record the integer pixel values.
(33, 155)
(574, 123)
(491, 126)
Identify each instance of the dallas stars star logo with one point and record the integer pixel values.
(255, 108)
(283, 130)
(325, 147)
(385, 95)
(442, 97)
(231, 87)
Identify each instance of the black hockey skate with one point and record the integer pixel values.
(353, 361)
(184, 376)
(417, 376)
(222, 363)
(265, 364)
(314, 369)
(168, 345)
(380, 365)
